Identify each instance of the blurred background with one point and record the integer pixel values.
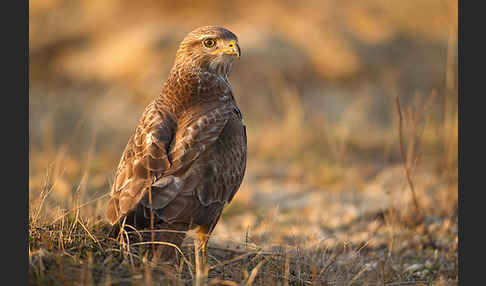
(316, 84)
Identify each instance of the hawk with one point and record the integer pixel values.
(187, 156)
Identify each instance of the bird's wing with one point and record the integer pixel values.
(192, 139)
(145, 155)
(156, 155)
(214, 178)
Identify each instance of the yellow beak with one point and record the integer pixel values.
(232, 48)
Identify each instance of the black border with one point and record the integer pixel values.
(461, 189)
(23, 52)
(15, 119)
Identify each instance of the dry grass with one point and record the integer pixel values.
(68, 254)
(342, 187)
(282, 228)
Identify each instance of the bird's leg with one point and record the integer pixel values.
(197, 262)
(203, 242)
(200, 246)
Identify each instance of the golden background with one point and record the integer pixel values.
(316, 83)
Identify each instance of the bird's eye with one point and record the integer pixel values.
(209, 43)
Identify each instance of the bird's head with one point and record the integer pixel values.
(209, 48)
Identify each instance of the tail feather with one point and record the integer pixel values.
(115, 229)
(173, 234)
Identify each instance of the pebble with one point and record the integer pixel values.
(415, 267)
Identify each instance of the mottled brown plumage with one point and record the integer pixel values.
(187, 157)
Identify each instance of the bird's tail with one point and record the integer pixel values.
(115, 229)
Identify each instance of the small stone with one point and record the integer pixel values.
(414, 267)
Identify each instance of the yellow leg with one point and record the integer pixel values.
(200, 246)
(197, 262)
(203, 241)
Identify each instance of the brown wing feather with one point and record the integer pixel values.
(190, 143)
(158, 154)
(212, 179)
(146, 155)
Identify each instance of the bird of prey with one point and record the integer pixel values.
(187, 156)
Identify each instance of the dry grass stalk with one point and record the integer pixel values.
(287, 267)
(254, 272)
(406, 166)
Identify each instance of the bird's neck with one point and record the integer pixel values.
(187, 86)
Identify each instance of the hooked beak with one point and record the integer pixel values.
(232, 48)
